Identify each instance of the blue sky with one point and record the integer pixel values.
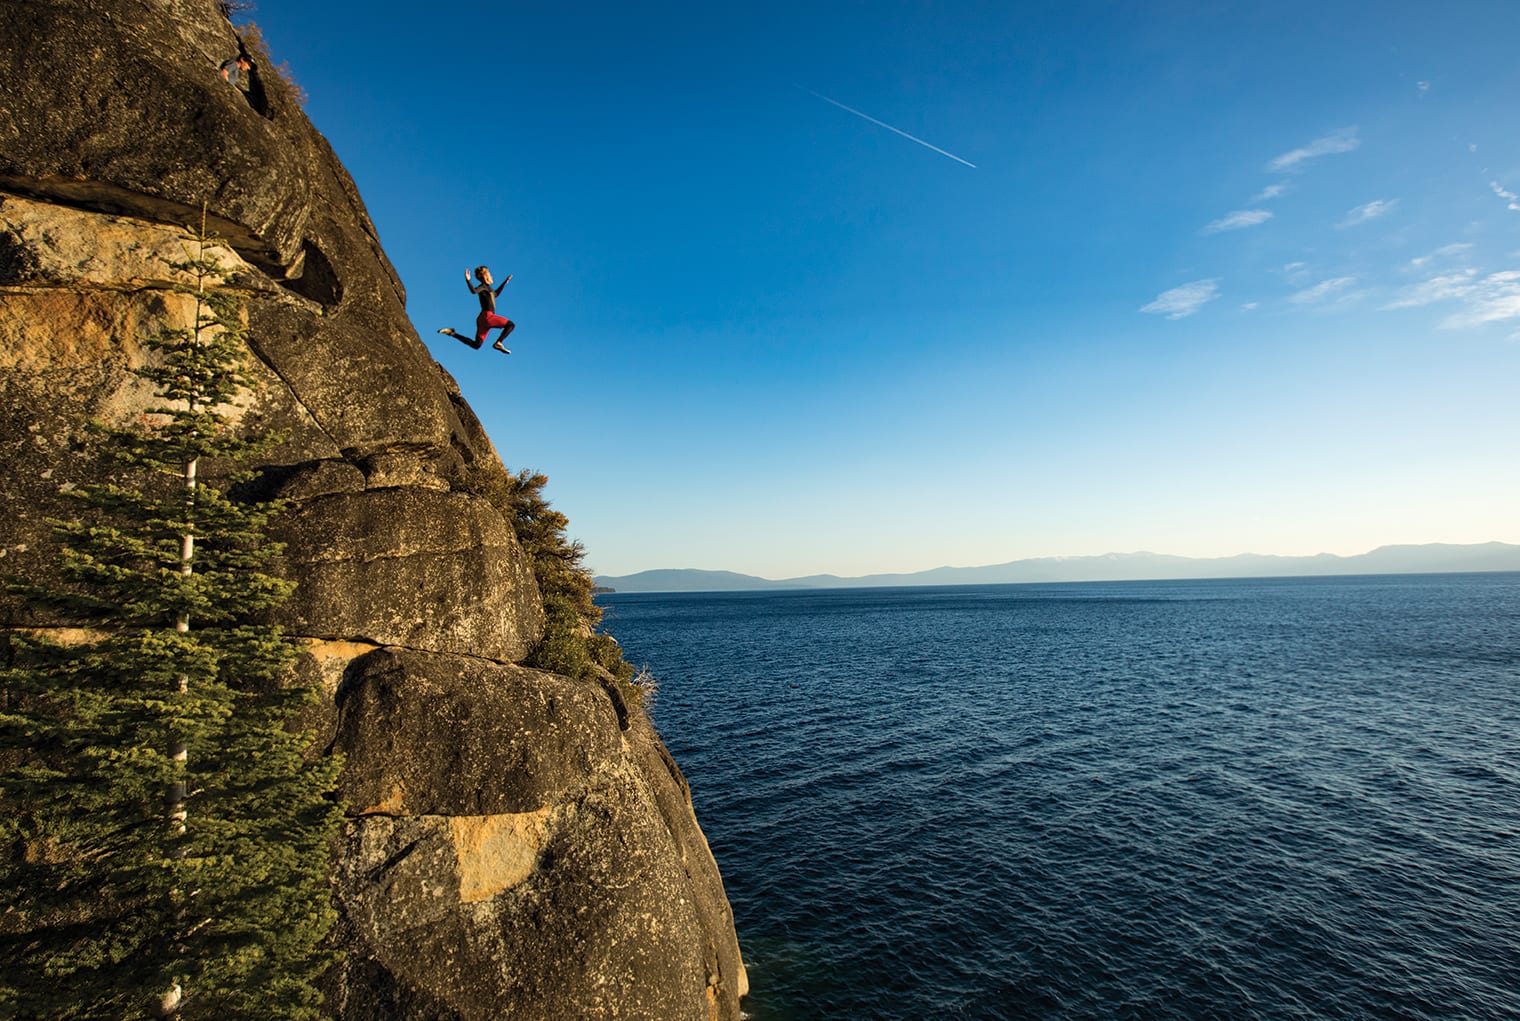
(1226, 276)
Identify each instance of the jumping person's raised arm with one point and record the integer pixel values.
(502, 284)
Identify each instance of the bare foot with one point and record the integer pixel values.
(498, 347)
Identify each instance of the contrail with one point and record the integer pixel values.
(884, 124)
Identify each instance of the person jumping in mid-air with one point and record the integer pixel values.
(488, 320)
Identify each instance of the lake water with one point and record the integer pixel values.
(1288, 798)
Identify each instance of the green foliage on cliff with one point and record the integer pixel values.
(163, 843)
(571, 645)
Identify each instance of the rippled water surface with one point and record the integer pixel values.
(1224, 799)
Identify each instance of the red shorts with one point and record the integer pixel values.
(486, 322)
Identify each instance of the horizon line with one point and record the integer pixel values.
(1074, 558)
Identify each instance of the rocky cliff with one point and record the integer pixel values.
(519, 844)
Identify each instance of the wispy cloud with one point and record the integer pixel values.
(1493, 299)
(1239, 219)
(1343, 140)
(1444, 252)
(1481, 299)
(1442, 287)
(1322, 290)
(1369, 211)
(1508, 196)
(1271, 192)
(1296, 272)
(1181, 302)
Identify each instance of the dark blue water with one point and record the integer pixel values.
(1223, 799)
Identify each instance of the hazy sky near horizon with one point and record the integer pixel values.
(870, 287)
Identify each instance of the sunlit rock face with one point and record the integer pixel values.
(519, 844)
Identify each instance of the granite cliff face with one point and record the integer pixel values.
(519, 844)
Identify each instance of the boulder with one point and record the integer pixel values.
(458, 907)
(455, 735)
(411, 567)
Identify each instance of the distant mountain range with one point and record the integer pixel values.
(1431, 558)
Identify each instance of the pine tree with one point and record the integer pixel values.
(163, 843)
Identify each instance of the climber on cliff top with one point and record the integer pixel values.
(488, 320)
(236, 69)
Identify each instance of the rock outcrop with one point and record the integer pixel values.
(519, 844)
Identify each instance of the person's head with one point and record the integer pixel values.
(244, 62)
(483, 274)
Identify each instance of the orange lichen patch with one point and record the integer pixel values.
(391, 804)
(74, 329)
(322, 650)
(332, 658)
(496, 852)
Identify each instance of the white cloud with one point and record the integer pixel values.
(1369, 211)
(1482, 299)
(1250, 306)
(1239, 219)
(1322, 290)
(1493, 299)
(1508, 196)
(1343, 140)
(1296, 272)
(1424, 87)
(1444, 252)
(1443, 287)
(1270, 192)
(1181, 302)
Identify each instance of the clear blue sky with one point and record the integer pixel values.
(1226, 276)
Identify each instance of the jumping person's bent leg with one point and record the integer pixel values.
(474, 342)
(504, 331)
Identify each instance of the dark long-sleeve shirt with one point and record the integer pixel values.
(486, 295)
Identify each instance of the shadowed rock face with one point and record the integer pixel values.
(519, 844)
